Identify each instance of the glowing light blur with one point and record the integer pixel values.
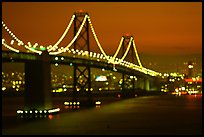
(101, 78)
(109, 59)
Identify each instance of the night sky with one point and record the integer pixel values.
(167, 34)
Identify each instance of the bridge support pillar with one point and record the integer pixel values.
(38, 83)
(140, 83)
(146, 84)
(154, 84)
(143, 83)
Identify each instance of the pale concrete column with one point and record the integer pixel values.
(140, 83)
(146, 84)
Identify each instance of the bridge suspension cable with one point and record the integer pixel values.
(33, 50)
(12, 34)
(75, 37)
(137, 56)
(62, 37)
(124, 55)
(110, 59)
(20, 42)
(16, 50)
(127, 50)
(119, 47)
(9, 47)
(97, 41)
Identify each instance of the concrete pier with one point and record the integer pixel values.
(37, 83)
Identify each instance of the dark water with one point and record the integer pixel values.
(144, 115)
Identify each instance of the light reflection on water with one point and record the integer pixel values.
(193, 102)
(140, 115)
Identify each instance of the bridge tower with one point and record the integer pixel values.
(131, 58)
(82, 75)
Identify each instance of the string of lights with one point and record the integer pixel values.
(97, 41)
(63, 35)
(9, 47)
(119, 47)
(20, 42)
(75, 37)
(110, 59)
(137, 56)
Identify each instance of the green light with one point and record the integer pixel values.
(42, 48)
(70, 64)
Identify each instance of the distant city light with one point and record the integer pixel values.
(190, 66)
(56, 64)
(3, 88)
(98, 102)
(101, 78)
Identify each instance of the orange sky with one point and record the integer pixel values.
(159, 28)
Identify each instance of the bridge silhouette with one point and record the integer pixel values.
(38, 59)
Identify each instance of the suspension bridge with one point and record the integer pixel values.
(78, 54)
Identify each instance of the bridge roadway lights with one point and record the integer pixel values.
(72, 105)
(36, 114)
(37, 94)
(77, 104)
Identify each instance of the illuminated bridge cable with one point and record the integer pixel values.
(117, 51)
(127, 50)
(75, 37)
(19, 41)
(97, 41)
(110, 59)
(33, 50)
(137, 56)
(65, 32)
(11, 34)
(9, 47)
(124, 55)
(29, 44)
